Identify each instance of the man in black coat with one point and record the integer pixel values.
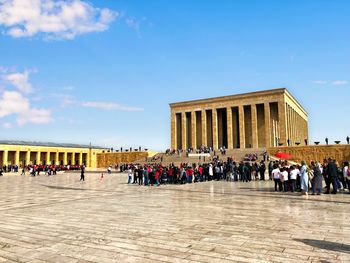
(82, 172)
(332, 174)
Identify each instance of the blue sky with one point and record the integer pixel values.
(105, 71)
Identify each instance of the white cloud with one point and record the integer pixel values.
(20, 81)
(340, 82)
(53, 19)
(14, 103)
(321, 82)
(109, 106)
(7, 125)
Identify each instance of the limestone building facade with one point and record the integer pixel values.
(29, 153)
(260, 119)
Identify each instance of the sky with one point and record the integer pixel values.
(104, 72)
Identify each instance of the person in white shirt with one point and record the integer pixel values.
(346, 174)
(284, 178)
(276, 177)
(294, 173)
(129, 176)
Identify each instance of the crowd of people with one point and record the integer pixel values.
(287, 178)
(303, 177)
(37, 169)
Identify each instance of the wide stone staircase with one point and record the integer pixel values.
(237, 155)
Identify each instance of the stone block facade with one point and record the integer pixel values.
(315, 152)
(107, 159)
(261, 119)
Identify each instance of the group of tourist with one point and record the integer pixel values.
(217, 170)
(287, 178)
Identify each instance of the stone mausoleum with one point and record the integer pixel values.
(260, 119)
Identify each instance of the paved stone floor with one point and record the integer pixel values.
(59, 219)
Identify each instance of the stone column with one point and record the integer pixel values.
(184, 131)
(204, 128)
(173, 144)
(255, 138)
(27, 157)
(241, 127)
(5, 157)
(194, 129)
(57, 160)
(267, 124)
(38, 157)
(80, 158)
(73, 158)
(48, 161)
(282, 122)
(215, 129)
(17, 158)
(65, 161)
(229, 128)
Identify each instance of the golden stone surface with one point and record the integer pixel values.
(284, 120)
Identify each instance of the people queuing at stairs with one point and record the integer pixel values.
(287, 178)
(193, 173)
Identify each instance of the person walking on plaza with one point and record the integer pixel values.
(82, 173)
(304, 178)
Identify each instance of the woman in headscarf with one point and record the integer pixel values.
(317, 178)
(304, 178)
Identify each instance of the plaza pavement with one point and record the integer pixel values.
(59, 219)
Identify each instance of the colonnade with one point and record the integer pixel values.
(233, 126)
(21, 157)
(239, 126)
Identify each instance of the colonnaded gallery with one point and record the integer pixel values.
(253, 120)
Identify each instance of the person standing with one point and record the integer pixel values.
(82, 173)
(293, 177)
(332, 174)
(304, 178)
(130, 173)
(276, 177)
(346, 174)
(284, 177)
(348, 140)
(326, 141)
(317, 178)
(262, 170)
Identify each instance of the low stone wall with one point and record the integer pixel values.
(315, 152)
(106, 159)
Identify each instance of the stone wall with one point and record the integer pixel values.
(106, 159)
(315, 153)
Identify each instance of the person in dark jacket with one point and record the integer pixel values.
(331, 176)
(82, 173)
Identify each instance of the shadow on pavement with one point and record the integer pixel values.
(338, 247)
